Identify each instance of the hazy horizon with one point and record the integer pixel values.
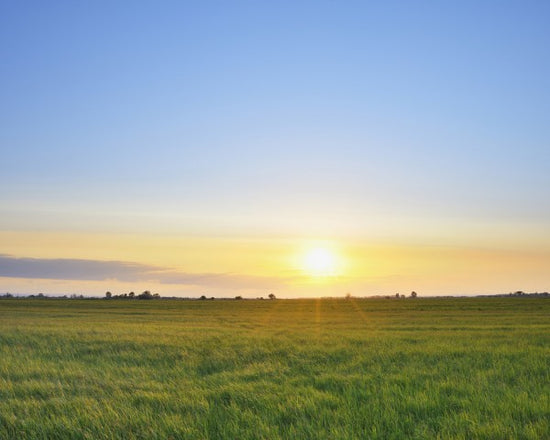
(304, 149)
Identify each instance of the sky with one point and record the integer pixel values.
(301, 148)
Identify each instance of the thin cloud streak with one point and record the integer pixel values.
(95, 270)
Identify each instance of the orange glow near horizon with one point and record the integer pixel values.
(254, 267)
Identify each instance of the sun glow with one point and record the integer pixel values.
(320, 262)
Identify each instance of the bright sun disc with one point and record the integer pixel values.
(320, 262)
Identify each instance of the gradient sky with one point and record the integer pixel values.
(193, 148)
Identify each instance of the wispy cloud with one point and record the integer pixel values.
(95, 270)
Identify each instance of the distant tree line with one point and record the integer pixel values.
(516, 293)
(148, 295)
(124, 296)
(144, 295)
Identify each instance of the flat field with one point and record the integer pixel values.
(464, 368)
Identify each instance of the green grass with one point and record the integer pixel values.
(472, 368)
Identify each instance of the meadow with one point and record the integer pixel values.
(453, 368)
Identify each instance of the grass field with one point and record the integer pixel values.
(471, 368)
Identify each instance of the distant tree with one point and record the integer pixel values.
(156, 296)
(272, 296)
(108, 295)
(348, 295)
(397, 295)
(203, 297)
(239, 297)
(413, 294)
(145, 295)
(131, 295)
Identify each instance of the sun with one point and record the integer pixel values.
(320, 262)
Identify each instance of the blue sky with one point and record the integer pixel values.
(416, 121)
